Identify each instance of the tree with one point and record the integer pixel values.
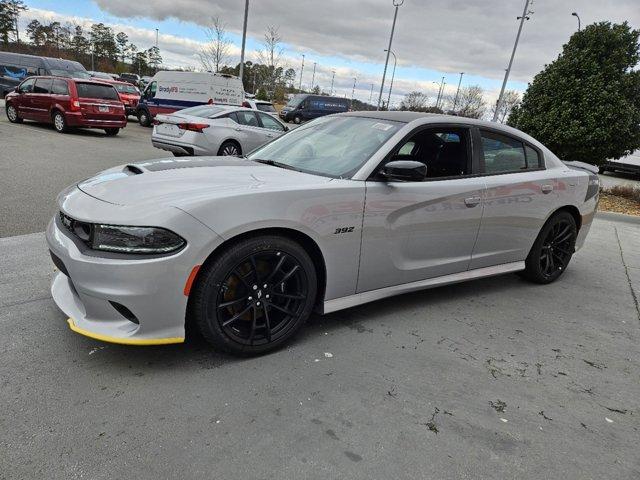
(414, 101)
(79, 43)
(35, 33)
(122, 40)
(271, 56)
(510, 100)
(215, 53)
(471, 102)
(103, 41)
(9, 14)
(585, 105)
(153, 56)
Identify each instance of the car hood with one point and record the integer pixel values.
(177, 182)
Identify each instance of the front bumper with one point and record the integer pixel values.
(91, 289)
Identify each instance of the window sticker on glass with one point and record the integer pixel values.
(382, 126)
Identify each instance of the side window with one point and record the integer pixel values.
(43, 85)
(26, 86)
(533, 157)
(151, 90)
(60, 87)
(502, 154)
(247, 118)
(444, 151)
(271, 123)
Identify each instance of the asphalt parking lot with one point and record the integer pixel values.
(496, 378)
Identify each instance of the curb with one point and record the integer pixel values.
(618, 217)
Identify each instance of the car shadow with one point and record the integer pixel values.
(84, 132)
(197, 353)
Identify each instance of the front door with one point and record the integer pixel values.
(418, 230)
(248, 130)
(23, 105)
(519, 197)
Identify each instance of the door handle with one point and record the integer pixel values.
(546, 188)
(238, 129)
(270, 135)
(472, 201)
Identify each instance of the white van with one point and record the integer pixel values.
(168, 92)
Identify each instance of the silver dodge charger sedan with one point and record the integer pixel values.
(215, 130)
(344, 210)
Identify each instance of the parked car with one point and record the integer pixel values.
(169, 92)
(129, 95)
(215, 130)
(628, 164)
(132, 78)
(262, 105)
(15, 67)
(341, 211)
(101, 75)
(306, 107)
(67, 103)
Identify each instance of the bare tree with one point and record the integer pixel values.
(510, 100)
(271, 55)
(414, 101)
(216, 52)
(471, 102)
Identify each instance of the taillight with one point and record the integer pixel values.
(75, 104)
(246, 104)
(193, 127)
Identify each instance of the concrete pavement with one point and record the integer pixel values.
(497, 378)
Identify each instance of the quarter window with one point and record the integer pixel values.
(533, 158)
(60, 87)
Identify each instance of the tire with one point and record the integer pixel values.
(178, 154)
(59, 122)
(230, 148)
(552, 251)
(297, 119)
(602, 170)
(111, 132)
(233, 310)
(144, 118)
(12, 114)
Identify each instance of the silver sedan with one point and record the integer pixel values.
(344, 210)
(215, 130)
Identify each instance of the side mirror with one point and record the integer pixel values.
(286, 129)
(404, 171)
(17, 89)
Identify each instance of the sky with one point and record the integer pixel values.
(433, 38)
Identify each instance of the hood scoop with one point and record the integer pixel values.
(132, 170)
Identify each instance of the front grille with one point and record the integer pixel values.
(81, 230)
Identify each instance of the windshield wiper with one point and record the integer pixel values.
(273, 163)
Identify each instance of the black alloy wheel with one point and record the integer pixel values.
(553, 249)
(255, 296)
(229, 149)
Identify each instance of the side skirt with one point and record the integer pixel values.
(372, 295)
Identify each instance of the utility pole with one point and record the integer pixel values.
(313, 77)
(157, 38)
(397, 4)
(301, 70)
(440, 92)
(353, 91)
(371, 94)
(455, 101)
(332, 78)
(525, 16)
(244, 40)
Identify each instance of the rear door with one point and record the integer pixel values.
(99, 102)
(41, 99)
(520, 194)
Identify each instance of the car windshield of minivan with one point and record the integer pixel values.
(94, 90)
(330, 146)
(70, 73)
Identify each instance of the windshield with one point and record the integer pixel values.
(203, 111)
(330, 146)
(295, 101)
(265, 107)
(70, 73)
(128, 88)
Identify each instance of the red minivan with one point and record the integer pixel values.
(67, 103)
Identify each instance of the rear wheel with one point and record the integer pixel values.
(144, 118)
(111, 132)
(553, 249)
(230, 148)
(255, 296)
(297, 119)
(12, 114)
(59, 122)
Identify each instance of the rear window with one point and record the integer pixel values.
(94, 90)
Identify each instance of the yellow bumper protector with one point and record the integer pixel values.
(123, 341)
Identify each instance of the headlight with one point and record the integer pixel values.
(122, 239)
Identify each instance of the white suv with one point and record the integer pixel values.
(262, 105)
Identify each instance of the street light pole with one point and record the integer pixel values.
(244, 40)
(397, 4)
(156, 38)
(440, 92)
(301, 70)
(332, 78)
(395, 60)
(371, 94)
(353, 91)
(578, 17)
(455, 101)
(313, 77)
(525, 16)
